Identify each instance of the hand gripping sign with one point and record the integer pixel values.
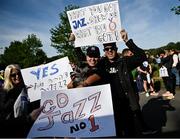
(96, 24)
(78, 112)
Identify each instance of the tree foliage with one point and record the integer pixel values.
(60, 35)
(27, 53)
(176, 9)
(171, 45)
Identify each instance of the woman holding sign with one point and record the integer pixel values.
(15, 116)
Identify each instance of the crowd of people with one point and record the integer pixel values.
(168, 62)
(17, 115)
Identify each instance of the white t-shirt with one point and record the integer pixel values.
(175, 60)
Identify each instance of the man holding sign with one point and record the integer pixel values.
(102, 26)
(117, 71)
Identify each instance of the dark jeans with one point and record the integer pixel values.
(124, 119)
(176, 73)
(170, 83)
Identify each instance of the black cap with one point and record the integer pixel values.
(113, 44)
(93, 51)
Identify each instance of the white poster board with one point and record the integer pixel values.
(96, 24)
(51, 76)
(79, 112)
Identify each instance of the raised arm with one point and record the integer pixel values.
(139, 54)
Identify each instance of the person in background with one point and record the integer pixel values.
(174, 69)
(145, 71)
(127, 52)
(15, 117)
(1, 78)
(137, 78)
(178, 66)
(169, 81)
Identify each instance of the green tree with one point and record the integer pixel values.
(33, 52)
(60, 35)
(13, 53)
(176, 9)
(27, 53)
(170, 45)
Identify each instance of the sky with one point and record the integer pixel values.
(150, 23)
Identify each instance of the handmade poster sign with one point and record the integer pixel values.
(51, 76)
(78, 112)
(96, 24)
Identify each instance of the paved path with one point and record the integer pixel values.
(161, 114)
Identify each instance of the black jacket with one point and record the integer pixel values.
(118, 74)
(167, 62)
(9, 126)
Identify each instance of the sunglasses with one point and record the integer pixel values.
(112, 48)
(15, 74)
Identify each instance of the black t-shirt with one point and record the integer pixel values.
(109, 73)
(143, 75)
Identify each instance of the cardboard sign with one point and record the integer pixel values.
(96, 24)
(79, 112)
(52, 76)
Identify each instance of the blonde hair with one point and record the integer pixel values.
(8, 85)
